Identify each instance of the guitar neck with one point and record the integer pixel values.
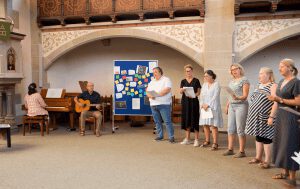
(93, 104)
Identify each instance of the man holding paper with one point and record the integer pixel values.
(160, 97)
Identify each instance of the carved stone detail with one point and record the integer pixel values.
(189, 34)
(249, 32)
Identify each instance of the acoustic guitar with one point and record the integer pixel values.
(86, 105)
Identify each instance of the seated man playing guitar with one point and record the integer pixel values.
(88, 103)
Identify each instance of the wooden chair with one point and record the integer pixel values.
(93, 121)
(176, 110)
(40, 119)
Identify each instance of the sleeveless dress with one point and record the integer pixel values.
(259, 112)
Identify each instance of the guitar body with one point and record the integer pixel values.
(86, 106)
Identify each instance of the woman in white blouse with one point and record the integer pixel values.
(210, 102)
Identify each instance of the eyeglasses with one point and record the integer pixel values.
(234, 69)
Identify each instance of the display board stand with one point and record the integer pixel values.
(131, 79)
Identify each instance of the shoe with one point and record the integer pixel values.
(82, 133)
(158, 139)
(255, 161)
(172, 140)
(240, 155)
(214, 147)
(196, 143)
(205, 144)
(280, 176)
(185, 141)
(228, 153)
(98, 134)
(264, 165)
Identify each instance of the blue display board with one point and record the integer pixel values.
(131, 78)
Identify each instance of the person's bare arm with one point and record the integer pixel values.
(164, 91)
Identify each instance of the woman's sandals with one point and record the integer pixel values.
(255, 161)
(214, 147)
(280, 176)
(205, 144)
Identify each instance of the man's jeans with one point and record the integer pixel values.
(162, 113)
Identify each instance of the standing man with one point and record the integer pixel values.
(159, 93)
(94, 98)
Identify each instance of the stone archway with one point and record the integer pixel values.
(267, 41)
(183, 47)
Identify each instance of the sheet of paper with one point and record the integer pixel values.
(136, 103)
(189, 92)
(151, 66)
(120, 87)
(229, 91)
(206, 114)
(54, 93)
(119, 95)
(117, 69)
(129, 78)
(132, 84)
(290, 110)
(131, 72)
(153, 93)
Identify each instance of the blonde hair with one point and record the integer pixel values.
(188, 66)
(268, 71)
(239, 66)
(290, 63)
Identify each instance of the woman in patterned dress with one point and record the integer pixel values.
(34, 102)
(260, 120)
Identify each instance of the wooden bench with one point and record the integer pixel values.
(6, 128)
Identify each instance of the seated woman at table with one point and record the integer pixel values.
(34, 102)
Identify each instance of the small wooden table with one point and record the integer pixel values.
(6, 127)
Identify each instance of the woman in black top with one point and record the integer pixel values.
(190, 106)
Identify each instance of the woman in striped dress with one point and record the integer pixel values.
(260, 120)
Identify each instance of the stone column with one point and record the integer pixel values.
(9, 118)
(218, 40)
(2, 8)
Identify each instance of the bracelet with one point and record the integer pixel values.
(272, 117)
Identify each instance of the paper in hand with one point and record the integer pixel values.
(229, 91)
(153, 93)
(189, 92)
(206, 114)
(290, 110)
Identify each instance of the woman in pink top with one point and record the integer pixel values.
(34, 102)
